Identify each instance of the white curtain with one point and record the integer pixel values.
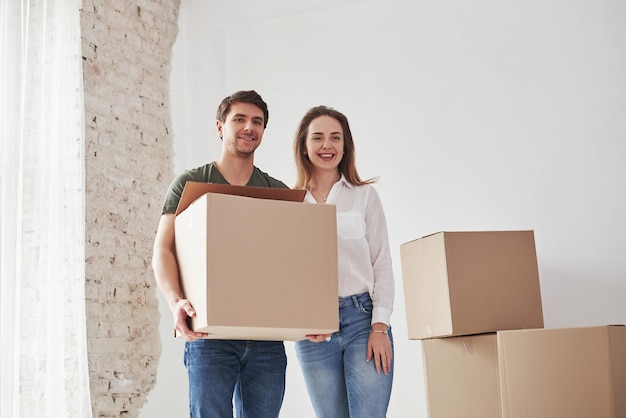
(44, 350)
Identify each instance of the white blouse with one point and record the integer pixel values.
(363, 246)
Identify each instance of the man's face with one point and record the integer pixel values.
(242, 131)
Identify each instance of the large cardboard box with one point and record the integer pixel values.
(256, 267)
(463, 283)
(461, 376)
(566, 372)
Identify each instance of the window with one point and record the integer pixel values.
(43, 352)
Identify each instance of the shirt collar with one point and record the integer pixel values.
(345, 181)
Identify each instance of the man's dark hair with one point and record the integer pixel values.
(245, 96)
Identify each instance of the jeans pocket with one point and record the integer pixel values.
(366, 307)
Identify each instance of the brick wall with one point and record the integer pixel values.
(127, 49)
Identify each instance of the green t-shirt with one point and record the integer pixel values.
(209, 173)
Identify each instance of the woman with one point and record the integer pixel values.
(348, 373)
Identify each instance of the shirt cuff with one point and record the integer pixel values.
(380, 314)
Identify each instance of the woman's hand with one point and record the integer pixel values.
(318, 338)
(379, 348)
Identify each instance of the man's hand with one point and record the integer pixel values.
(182, 311)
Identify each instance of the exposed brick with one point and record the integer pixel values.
(127, 49)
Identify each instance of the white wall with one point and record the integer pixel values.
(480, 115)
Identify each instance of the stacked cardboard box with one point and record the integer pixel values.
(460, 288)
(473, 299)
(464, 283)
(248, 259)
(567, 372)
(461, 376)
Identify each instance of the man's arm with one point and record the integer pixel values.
(165, 270)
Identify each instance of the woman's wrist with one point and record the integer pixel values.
(379, 328)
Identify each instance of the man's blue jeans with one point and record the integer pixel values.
(250, 373)
(339, 381)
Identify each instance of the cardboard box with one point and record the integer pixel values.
(463, 283)
(461, 376)
(255, 267)
(567, 372)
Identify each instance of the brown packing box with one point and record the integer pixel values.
(461, 376)
(463, 283)
(257, 263)
(566, 372)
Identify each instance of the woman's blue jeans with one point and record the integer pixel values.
(339, 381)
(249, 373)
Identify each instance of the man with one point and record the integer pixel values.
(252, 371)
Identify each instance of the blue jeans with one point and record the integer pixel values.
(339, 381)
(250, 372)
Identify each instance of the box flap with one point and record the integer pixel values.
(194, 190)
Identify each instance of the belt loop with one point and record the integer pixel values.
(355, 300)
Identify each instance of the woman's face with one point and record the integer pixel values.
(324, 143)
